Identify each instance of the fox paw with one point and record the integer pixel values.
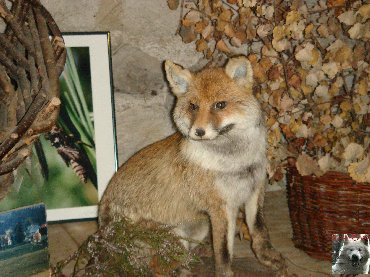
(271, 258)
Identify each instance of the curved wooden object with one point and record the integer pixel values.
(32, 57)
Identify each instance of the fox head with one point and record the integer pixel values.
(214, 101)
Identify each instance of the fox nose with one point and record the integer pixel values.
(200, 132)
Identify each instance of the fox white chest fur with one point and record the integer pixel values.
(237, 161)
(203, 174)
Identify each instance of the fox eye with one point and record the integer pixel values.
(193, 107)
(220, 105)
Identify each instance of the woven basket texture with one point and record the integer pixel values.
(322, 206)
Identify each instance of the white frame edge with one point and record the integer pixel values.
(105, 141)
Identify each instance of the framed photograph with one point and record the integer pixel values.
(24, 241)
(73, 163)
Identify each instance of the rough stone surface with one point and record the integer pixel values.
(138, 72)
(151, 26)
(140, 122)
(73, 16)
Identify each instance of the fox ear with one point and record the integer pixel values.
(240, 70)
(178, 77)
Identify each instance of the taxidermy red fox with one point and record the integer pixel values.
(199, 177)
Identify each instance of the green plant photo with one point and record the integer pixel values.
(62, 170)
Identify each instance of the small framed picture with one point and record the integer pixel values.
(73, 163)
(24, 241)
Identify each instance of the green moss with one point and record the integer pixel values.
(128, 249)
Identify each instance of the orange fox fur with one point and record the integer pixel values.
(200, 176)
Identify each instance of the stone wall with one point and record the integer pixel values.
(143, 36)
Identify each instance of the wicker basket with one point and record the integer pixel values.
(326, 205)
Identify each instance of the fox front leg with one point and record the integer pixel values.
(219, 222)
(261, 244)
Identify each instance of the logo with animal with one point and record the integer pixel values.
(197, 179)
(353, 256)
